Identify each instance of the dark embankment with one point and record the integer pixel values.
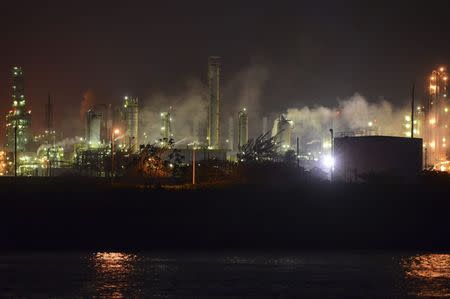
(85, 214)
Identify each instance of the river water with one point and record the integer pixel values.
(225, 275)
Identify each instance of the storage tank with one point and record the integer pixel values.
(356, 158)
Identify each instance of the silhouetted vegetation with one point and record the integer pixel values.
(263, 148)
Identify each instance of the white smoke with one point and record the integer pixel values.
(189, 113)
(352, 114)
(245, 90)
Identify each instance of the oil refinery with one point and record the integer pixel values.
(115, 132)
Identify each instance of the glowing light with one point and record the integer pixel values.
(116, 131)
(432, 121)
(370, 124)
(326, 145)
(407, 118)
(328, 161)
(441, 69)
(446, 109)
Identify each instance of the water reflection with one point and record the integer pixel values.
(428, 275)
(113, 271)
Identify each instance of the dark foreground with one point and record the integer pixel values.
(86, 215)
(301, 274)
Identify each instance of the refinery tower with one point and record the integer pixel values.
(131, 116)
(242, 128)
(18, 119)
(166, 126)
(214, 68)
(438, 118)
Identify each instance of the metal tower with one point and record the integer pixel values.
(438, 117)
(18, 119)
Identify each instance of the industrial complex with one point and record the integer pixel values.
(112, 133)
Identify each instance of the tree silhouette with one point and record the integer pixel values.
(263, 148)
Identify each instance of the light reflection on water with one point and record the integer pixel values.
(112, 273)
(232, 275)
(428, 275)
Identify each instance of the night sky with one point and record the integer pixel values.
(314, 51)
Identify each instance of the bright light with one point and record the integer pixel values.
(407, 118)
(328, 161)
(370, 124)
(441, 69)
(116, 131)
(326, 144)
(432, 121)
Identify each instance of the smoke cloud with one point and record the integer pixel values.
(245, 90)
(189, 113)
(352, 114)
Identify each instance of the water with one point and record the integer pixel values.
(227, 275)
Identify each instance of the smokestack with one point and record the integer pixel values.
(214, 68)
(230, 133)
(49, 114)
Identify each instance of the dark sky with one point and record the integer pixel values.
(314, 51)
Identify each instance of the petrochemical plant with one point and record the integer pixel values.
(110, 130)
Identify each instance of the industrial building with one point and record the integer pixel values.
(18, 119)
(242, 128)
(355, 158)
(108, 130)
(214, 88)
